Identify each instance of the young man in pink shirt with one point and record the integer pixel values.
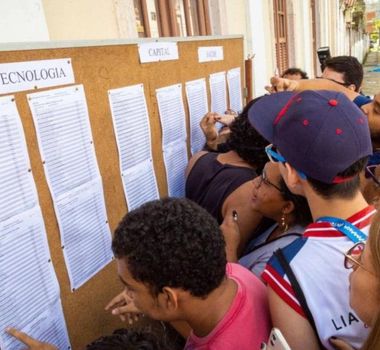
(171, 259)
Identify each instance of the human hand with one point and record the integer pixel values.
(339, 344)
(281, 84)
(231, 233)
(225, 119)
(31, 343)
(122, 305)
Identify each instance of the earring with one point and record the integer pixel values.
(284, 225)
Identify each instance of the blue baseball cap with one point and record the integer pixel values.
(320, 133)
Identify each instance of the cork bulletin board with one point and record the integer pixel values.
(101, 66)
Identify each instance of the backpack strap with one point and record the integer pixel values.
(298, 291)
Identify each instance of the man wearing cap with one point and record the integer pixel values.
(321, 142)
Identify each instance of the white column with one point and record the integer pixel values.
(262, 43)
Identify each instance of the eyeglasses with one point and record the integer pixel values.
(370, 172)
(276, 157)
(264, 179)
(337, 82)
(352, 257)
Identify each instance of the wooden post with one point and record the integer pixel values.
(248, 78)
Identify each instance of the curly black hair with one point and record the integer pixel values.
(246, 141)
(127, 339)
(172, 242)
(295, 71)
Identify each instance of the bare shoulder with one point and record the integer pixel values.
(295, 328)
(193, 160)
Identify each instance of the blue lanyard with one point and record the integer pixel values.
(351, 231)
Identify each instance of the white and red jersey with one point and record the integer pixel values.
(317, 261)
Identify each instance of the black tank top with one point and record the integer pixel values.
(211, 182)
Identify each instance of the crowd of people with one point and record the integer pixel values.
(279, 228)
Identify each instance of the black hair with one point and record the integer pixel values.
(294, 71)
(127, 339)
(344, 190)
(245, 140)
(350, 67)
(301, 212)
(172, 242)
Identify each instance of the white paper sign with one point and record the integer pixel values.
(30, 75)
(158, 51)
(210, 53)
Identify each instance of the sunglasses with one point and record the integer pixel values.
(352, 257)
(276, 157)
(370, 173)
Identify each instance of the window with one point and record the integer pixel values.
(156, 18)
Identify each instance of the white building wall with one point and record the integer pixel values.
(22, 20)
(81, 19)
(262, 43)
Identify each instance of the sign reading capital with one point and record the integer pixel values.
(158, 51)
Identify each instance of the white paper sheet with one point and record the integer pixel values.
(49, 327)
(140, 184)
(198, 106)
(172, 113)
(18, 192)
(31, 75)
(65, 142)
(131, 124)
(158, 51)
(175, 157)
(64, 137)
(85, 232)
(234, 89)
(210, 53)
(29, 287)
(218, 92)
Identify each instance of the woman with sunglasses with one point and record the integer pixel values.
(289, 214)
(364, 260)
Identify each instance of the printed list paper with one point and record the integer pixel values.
(133, 136)
(172, 115)
(65, 142)
(198, 106)
(234, 89)
(218, 92)
(29, 288)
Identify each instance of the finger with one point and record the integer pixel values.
(23, 337)
(116, 300)
(269, 88)
(340, 344)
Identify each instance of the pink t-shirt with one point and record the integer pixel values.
(246, 324)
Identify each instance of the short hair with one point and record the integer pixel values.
(295, 71)
(350, 67)
(301, 212)
(246, 141)
(344, 190)
(127, 339)
(172, 242)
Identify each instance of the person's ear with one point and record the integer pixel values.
(352, 87)
(288, 207)
(168, 298)
(293, 179)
